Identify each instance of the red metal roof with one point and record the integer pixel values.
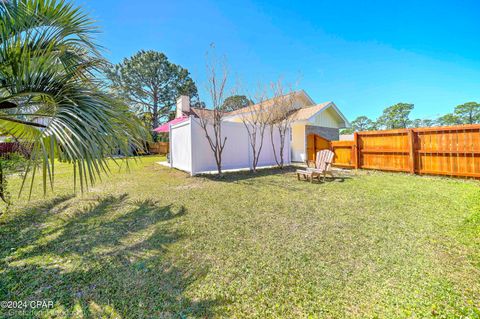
(165, 128)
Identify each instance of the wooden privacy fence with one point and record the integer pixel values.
(158, 147)
(449, 150)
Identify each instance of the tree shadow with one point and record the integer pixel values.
(254, 179)
(24, 227)
(110, 259)
(233, 177)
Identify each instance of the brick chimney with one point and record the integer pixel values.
(183, 105)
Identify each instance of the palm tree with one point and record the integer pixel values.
(51, 95)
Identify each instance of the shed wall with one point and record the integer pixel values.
(191, 152)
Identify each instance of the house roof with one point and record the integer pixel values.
(197, 112)
(269, 103)
(307, 112)
(303, 113)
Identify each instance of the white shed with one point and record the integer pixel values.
(191, 152)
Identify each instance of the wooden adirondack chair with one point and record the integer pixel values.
(323, 165)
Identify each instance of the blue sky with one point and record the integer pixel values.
(363, 55)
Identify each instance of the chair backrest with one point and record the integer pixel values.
(324, 159)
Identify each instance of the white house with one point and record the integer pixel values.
(314, 125)
(312, 129)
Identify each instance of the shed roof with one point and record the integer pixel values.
(164, 128)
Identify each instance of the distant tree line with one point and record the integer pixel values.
(398, 116)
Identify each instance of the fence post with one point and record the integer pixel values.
(355, 150)
(411, 151)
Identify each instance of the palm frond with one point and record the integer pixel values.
(49, 95)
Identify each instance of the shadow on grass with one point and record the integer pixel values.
(232, 177)
(328, 179)
(235, 177)
(109, 259)
(25, 227)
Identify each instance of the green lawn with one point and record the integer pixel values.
(156, 243)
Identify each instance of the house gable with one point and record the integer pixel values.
(329, 116)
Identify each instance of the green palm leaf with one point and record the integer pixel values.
(50, 97)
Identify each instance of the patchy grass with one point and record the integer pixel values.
(156, 243)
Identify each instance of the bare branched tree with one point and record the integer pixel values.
(281, 118)
(211, 120)
(256, 118)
